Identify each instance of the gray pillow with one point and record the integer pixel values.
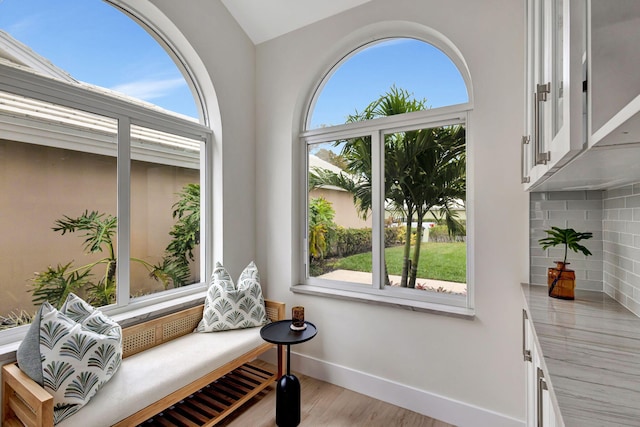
(28, 354)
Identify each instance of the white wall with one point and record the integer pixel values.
(227, 75)
(468, 372)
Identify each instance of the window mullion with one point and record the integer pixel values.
(377, 205)
(207, 182)
(124, 211)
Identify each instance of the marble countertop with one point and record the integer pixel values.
(591, 349)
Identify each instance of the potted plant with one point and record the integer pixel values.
(561, 280)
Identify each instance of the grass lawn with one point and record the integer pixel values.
(440, 261)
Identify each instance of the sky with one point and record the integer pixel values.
(410, 64)
(98, 44)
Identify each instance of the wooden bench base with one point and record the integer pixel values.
(213, 403)
(27, 404)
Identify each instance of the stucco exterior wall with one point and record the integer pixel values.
(39, 185)
(346, 213)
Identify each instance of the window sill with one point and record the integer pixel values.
(131, 316)
(134, 314)
(390, 301)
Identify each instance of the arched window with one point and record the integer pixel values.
(96, 43)
(386, 171)
(410, 64)
(101, 155)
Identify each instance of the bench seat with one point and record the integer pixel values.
(147, 377)
(164, 363)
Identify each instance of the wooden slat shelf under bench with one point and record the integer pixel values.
(211, 404)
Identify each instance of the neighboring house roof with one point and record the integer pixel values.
(20, 54)
(57, 121)
(317, 162)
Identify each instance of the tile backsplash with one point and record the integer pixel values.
(613, 216)
(621, 244)
(580, 210)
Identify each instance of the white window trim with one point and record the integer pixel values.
(447, 304)
(137, 311)
(42, 88)
(380, 298)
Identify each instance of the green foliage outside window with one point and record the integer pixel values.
(424, 173)
(98, 278)
(321, 227)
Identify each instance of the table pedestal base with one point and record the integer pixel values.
(288, 401)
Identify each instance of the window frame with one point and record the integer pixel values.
(453, 305)
(28, 84)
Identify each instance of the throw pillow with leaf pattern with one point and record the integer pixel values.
(233, 306)
(77, 348)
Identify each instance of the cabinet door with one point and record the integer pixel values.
(556, 104)
(541, 409)
(614, 37)
(530, 369)
(532, 170)
(547, 413)
(564, 111)
(543, 414)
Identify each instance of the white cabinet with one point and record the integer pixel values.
(541, 406)
(527, 353)
(614, 38)
(556, 107)
(613, 109)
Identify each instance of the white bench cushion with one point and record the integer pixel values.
(147, 377)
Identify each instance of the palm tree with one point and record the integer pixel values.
(435, 180)
(424, 171)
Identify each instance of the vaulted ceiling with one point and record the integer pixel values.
(264, 20)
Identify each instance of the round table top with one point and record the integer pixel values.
(280, 332)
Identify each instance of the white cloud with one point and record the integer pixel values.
(148, 90)
(23, 28)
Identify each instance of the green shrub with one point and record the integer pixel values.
(394, 236)
(15, 318)
(440, 234)
(350, 241)
(321, 227)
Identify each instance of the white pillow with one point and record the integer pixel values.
(228, 306)
(80, 350)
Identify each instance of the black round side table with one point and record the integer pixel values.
(288, 388)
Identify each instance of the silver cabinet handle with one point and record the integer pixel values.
(523, 167)
(540, 95)
(525, 353)
(542, 386)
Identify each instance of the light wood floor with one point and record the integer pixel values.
(327, 405)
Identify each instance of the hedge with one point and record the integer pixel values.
(349, 241)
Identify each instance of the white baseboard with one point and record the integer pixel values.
(432, 405)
